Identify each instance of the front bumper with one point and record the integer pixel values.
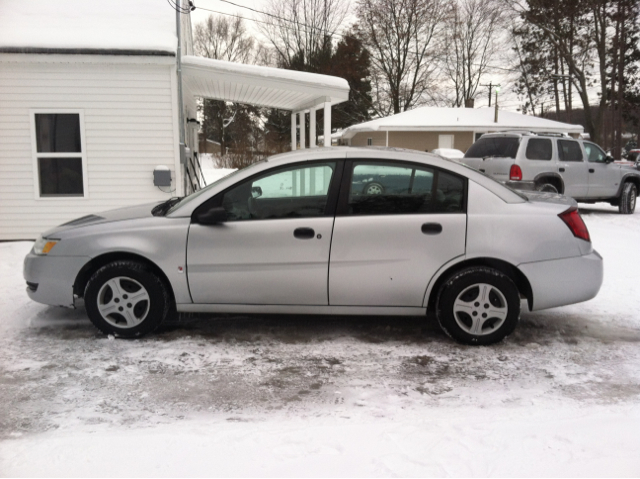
(50, 278)
(564, 281)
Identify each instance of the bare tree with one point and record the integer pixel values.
(403, 37)
(237, 127)
(471, 31)
(224, 38)
(297, 28)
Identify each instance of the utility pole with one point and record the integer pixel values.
(490, 85)
(495, 119)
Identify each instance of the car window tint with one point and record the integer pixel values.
(569, 150)
(594, 153)
(502, 147)
(539, 149)
(293, 192)
(383, 189)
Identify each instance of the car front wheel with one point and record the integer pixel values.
(478, 306)
(627, 204)
(126, 299)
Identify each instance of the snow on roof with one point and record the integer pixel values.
(456, 119)
(259, 85)
(147, 25)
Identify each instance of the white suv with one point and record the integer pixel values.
(555, 164)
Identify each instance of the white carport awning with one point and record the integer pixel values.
(262, 86)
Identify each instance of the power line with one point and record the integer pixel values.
(302, 25)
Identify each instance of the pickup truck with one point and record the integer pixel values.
(555, 164)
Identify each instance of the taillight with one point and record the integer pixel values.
(515, 173)
(574, 221)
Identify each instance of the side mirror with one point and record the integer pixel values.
(256, 192)
(214, 216)
(608, 159)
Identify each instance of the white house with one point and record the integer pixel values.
(428, 128)
(95, 95)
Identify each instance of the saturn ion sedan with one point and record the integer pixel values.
(341, 231)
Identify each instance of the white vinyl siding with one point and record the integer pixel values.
(128, 117)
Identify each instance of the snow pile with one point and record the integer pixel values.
(210, 172)
(297, 396)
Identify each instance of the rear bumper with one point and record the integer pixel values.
(50, 278)
(564, 281)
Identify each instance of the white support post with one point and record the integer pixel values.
(312, 128)
(302, 130)
(293, 131)
(327, 124)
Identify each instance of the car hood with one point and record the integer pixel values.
(554, 198)
(119, 214)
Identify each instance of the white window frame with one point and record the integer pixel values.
(36, 155)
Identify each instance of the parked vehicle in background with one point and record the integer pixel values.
(634, 155)
(556, 164)
(449, 153)
(300, 233)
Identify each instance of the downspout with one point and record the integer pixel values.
(180, 104)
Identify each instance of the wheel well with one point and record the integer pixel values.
(98, 262)
(634, 180)
(520, 280)
(551, 180)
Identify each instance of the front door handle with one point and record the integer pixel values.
(561, 170)
(591, 170)
(432, 228)
(304, 233)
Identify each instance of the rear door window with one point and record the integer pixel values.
(569, 150)
(383, 189)
(539, 149)
(500, 147)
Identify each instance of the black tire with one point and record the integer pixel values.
(126, 299)
(460, 315)
(546, 188)
(373, 188)
(628, 198)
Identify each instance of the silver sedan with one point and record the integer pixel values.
(352, 231)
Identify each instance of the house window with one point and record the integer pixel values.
(59, 155)
(369, 141)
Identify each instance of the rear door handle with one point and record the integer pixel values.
(432, 228)
(561, 170)
(591, 170)
(304, 233)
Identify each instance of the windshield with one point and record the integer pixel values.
(195, 194)
(497, 146)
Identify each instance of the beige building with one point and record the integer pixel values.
(428, 128)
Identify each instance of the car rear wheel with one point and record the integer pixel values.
(628, 198)
(478, 306)
(126, 299)
(546, 188)
(373, 188)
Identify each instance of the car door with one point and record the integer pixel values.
(273, 247)
(572, 168)
(604, 178)
(387, 245)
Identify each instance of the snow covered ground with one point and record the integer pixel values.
(298, 396)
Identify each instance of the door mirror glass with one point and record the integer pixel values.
(256, 191)
(214, 216)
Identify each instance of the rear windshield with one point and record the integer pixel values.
(503, 147)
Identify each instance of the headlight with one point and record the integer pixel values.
(44, 245)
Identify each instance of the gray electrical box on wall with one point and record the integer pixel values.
(162, 176)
